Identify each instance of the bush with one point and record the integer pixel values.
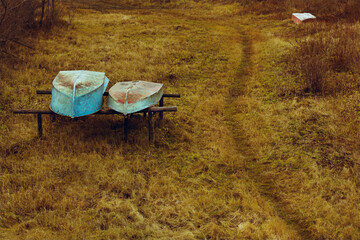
(322, 58)
(19, 17)
(15, 16)
(326, 10)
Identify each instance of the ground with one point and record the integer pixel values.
(237, 161)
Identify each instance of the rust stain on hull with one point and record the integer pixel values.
(129, 97)
(68, 82)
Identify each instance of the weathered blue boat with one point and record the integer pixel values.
(78, 93)
(131, 97)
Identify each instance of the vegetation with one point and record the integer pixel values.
(264, 145)
(19, 19)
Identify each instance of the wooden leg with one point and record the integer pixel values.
(151, 128)
(53, 117)
(40, 129)
(144, 114)
(126, 123)
(161, 103)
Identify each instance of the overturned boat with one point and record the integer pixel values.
(78, 93)
(131, 97)
(302, 17)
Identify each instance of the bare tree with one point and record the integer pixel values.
(48, 13)
(42, 12)
(3, 12)
(53, 9)
(17, 17)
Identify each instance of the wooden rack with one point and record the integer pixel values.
(149, 111)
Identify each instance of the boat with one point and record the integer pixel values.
(131, 97)
(78, 93)
(302, 17)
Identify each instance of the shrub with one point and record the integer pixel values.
(18, 17)
(322, 58)
(329, 10)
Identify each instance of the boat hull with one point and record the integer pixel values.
(77, 105)
(299, 18)
(131, 97)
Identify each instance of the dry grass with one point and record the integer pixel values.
(327, 62)
(331, 10)
(82, 182)
(307, 159)
(245, 157)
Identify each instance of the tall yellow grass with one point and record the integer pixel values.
(307, 159)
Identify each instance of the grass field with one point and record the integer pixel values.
(248, 155)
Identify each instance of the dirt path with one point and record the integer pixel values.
(237, 91)
(236, 103)
(236, 97)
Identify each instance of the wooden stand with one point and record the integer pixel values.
(149, 111)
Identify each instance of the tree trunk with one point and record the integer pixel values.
(53, 10)
(48, 18)
(42, 12)
(3, 2)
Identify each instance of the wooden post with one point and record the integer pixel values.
(126, 123)
(144, 115)
(40, 130)
(161, 103)
(151, 127)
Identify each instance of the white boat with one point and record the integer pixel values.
(131, 97)
(78, 93)
(302, 17)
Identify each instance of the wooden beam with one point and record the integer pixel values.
(43, 91)
(101, 112)
(31, 111)
(162, 109)
(169, 95)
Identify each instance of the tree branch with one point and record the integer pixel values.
(4, 3)
(21, 3)
(22, 44)
(12, 55)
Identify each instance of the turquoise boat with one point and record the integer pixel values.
(131, 97)
(78, 93)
